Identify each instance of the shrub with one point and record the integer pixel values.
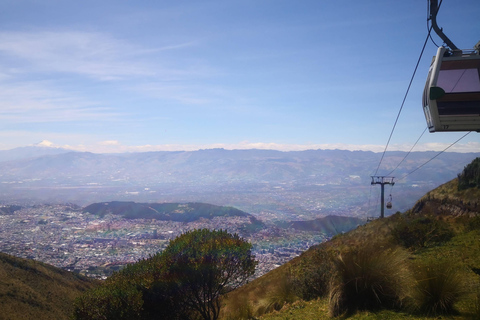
(470, 176)
(239, 309)
(473, 223)
(421, 232)
(439, 286)
(369, 278)
(204, 264)
(121, 301)
(185, 281)
(310, 279)
(282, 294)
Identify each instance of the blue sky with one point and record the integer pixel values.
(114, 76)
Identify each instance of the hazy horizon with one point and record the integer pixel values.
(116, 147)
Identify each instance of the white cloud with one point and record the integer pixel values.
(26, 56)
(114, 146)
(38, 102)
(458, 147)
(109, 143)
(96, 55)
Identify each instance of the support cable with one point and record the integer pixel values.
(466, 134)
(403, 102)
(398, 165)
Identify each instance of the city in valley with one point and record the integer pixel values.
(64, 236)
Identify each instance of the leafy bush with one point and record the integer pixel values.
(185, 281)
(472, 223)
(470, 176)
(421, 232)
(438, 287)
(123, 302)
(369, 278)
(205, 264)
(282, 294)
(311, 277)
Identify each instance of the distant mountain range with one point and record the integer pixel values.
(291, 184)
(29, 153)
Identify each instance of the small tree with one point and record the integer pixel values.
(312, 275)
(185, 281)
(470, 176)
(205, 264)
(120, 301)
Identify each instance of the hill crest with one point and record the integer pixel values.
(448, 200)
(180, 212)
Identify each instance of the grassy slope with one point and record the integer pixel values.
(33, 290)
(464, 248)
(444, 202)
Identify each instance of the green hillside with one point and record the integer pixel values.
(182, 212)
(429, 252)
(34, 290)
(329, 225)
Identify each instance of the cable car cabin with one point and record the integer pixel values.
(389, 202)
(451, 99)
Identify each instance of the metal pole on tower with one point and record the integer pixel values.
(382, 181)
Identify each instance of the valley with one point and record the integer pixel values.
(68, 237)
(281, 191)
(301, 185)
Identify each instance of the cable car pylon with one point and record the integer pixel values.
(382, 181)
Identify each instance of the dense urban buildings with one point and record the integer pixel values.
(66, 237)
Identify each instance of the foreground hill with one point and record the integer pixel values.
(439, 234)
(448, 200)
(34, 290)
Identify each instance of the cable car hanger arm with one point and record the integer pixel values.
(433, 16)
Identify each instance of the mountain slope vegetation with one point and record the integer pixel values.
(33, 290)
(329, 225)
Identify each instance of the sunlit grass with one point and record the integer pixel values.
(370, 277)
(439, 286)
